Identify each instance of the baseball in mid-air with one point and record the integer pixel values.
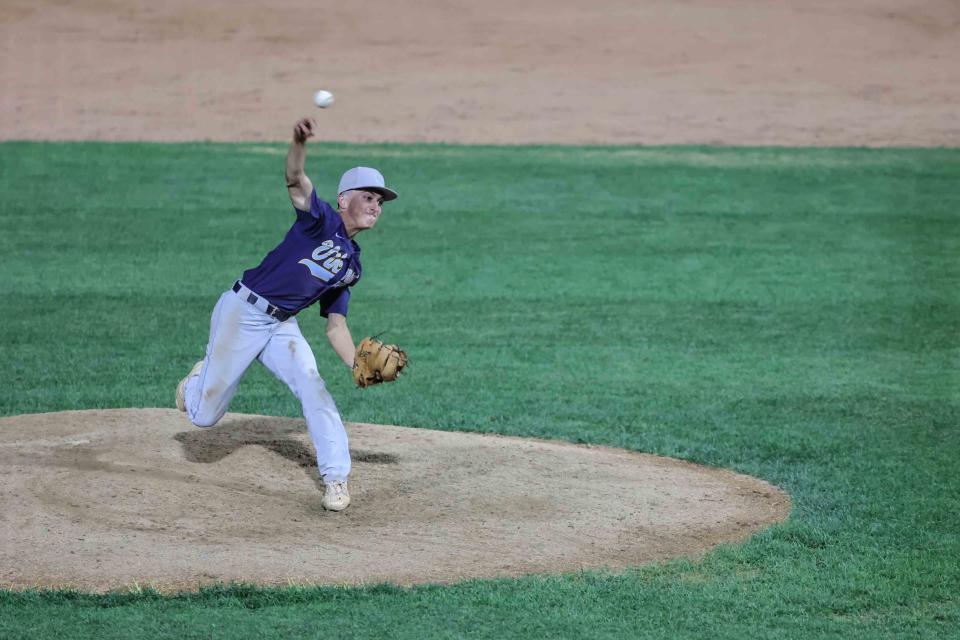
(323, 99)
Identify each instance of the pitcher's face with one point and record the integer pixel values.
(360, 209)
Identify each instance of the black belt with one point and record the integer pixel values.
(272, 310)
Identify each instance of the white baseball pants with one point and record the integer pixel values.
(240, 333)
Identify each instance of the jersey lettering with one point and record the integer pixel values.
(332, 259)
(325, 249)
(347, 278)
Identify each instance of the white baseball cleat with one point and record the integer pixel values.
(181, 401)
(336, 497)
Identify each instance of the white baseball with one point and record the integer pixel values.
(323, 99)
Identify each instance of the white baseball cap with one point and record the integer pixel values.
(366, 178)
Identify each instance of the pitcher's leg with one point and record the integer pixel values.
(238, 332)
(290, 358)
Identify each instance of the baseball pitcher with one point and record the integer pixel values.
(318, 261)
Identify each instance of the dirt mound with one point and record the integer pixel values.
(101, 500)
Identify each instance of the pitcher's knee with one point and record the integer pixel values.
(201, 419)
(315, 396)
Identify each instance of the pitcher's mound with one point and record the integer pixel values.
(101, 500)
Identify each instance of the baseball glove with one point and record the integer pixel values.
(376, 362)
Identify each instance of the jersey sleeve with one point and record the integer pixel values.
(320, 211)
(334, 301)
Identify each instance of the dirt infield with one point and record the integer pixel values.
(863, 72)
(102, 500)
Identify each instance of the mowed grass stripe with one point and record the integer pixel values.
(789, 313)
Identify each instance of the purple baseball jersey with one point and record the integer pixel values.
(315, 262)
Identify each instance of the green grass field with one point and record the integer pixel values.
(790, 314)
